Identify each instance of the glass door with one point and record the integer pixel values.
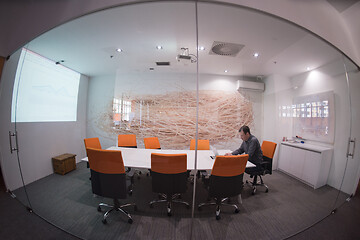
(290, 87)
(351, 169)
(11, 165)
(146, 86)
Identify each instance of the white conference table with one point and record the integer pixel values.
(141, 158)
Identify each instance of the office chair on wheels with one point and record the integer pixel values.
(108, 179)
(129, 141)
(92, 143)
(203, 144)
(151, 143)
(169, 178)
(226, 180)
(268, 149)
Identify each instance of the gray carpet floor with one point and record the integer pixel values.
(287, 208)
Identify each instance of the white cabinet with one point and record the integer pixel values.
(308, 163)
(297, 163)
(285, 153)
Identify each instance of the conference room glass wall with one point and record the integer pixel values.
(290, 87)
(180, 71)
(14, 172)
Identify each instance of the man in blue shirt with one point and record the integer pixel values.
(251, 146)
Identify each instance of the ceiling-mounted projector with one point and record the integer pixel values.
(185, 56)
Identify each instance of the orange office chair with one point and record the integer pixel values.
(108, 179)
(91, 143)
(127, 140)
(202, 144)
(169, 178)
(226, 180)
(152, 143)
(268, 149)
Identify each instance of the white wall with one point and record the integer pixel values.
(278, 92)
(100, 97)
(281, 90)
(38, 142)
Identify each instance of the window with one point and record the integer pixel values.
(314, 117)
(121, 111)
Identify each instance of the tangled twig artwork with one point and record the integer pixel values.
(172, 117)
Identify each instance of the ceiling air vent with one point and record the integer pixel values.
(225, 49)
(162, 63)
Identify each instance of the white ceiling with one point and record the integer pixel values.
(87, 44)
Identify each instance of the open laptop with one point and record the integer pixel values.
(216, 153)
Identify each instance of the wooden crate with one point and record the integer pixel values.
(64, 163)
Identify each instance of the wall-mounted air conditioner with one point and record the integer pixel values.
(251, 86)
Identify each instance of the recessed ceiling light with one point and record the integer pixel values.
(201, 48)
(256, 54)
(158, 47)
(307, 68)
(119, 50)
(226, 71)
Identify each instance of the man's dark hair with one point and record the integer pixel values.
(245, 129)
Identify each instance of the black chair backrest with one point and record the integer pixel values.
(169, 173)
(107, 169)
(226, 178)
(268, 148)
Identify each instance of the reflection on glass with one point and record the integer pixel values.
(152, 93)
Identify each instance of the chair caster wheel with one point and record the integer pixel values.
(130, 193)
(199, 208)
(267, 190)
(151, 206)
(169, 214)
(253, 191)
(237, 210)
(99, 209)
(104, 221)
(218, 217)
(130, 221)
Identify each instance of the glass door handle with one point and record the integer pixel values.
(353, 150)
(13, 149)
